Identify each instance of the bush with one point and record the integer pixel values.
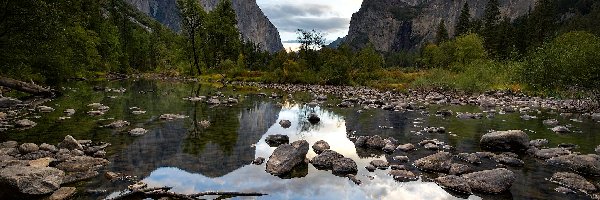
(571, 60)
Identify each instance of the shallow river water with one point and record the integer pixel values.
(181, 154)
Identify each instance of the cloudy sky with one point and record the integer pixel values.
(331, 17)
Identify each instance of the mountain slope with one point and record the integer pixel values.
(394, 25)
(252, 22)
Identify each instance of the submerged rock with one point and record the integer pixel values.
(172, 116)
(513, 140)
(118, 124)
(551, 152)
(509, 160)
(472, 158)
(439, 162)
(573, 181)
(454, 183)
(490, 181)
(276, 140)
(458, 169)
(138, 132)
(31, 180)
(286, 157)
(320, 146)
(584, 164)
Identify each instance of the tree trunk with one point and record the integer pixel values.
(195, 53)
(30, 88)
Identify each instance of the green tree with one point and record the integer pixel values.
(442, 33)
(310, 43)
(223, 36)
(464, 21)
(193, 24)
(469, 48)
(491, 19)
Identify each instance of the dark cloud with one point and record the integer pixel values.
(327, 24)
(282, 11)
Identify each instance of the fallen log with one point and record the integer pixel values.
(160, 192)
(30, 88)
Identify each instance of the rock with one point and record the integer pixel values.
(402, 159)
(469, 157)
(100, 154)
(62, 193)
(573, 181)
(320, 146)
(138, 112)
(370, 168)
(9, 144)
(213, 101)
(35, 155)
(287, 156)
(561, 129)
(361, 141)
(538, 142)
(276, 140)
(564, 190)
(25, 123)
(551, 152)
(325, 160)
(3, 116)
(111, 176)
(406, 147)
(344, 166)
(118, 124)
(584, 164)
(508, 160)
(550, 122)
(70, 143)
(313, 118)
(138, 132)
(26, 148)
(204, 124)
(454, 183)
(598, 149)
(490, 181)
(82, 164)
(32, 180)
(380, 164)
(258, 161)
(431, 146)
(69, 112)
(45, 109)
(402, 175)
(285, 123)
(7, 102)
(514, 140)
(389, 147)
(439, 162)
(95, 112)
(137, 186)
(375, 142)
(397, 167)
(48, 147)
(322, 98)
(458, 169)
(172, 116)
(42, 162)
(353, 178)
(74, 177)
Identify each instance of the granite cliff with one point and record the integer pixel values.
(252, 22)
(394, 25)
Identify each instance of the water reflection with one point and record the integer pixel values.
(316, 184)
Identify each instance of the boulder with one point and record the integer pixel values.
(538, 142)
(402, 175)
(48, 147)
(439, 162)
(472, 158)
(82, 164)
(513, 140)
(276, 140)
(287, 156)
(389, 147)
(561, 129)
(573, 181)
(70, 143)
(380, 164)
(320, 146)
(32, 180)
(26, 148)
(508, 160)
(490, 181)
(25, 123)
(285, 123)
(454, 183)
(551, 152)
(375, 142)
(344, 166)
(458, 169)
(583, 164)
(138, 132)
(406, 147)
(9, 144)
(361, 141)
(325, 160)
(62, 193)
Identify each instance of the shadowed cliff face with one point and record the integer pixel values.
(252, 22)
(222, 148)
(394, 25)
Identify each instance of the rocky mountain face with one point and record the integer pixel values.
(394, 25)
(252, 22)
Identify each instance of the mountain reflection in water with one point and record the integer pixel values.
(189, 174)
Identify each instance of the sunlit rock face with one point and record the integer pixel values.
(394, 25)
(252, 22)
(218, 150)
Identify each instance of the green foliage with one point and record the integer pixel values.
(193, 23)
(571, 60)
(464, 21)
(458, 52)
(223, 37)
(442, 33)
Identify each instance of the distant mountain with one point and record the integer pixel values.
(336, 43)
(394, 25)
(252, 22)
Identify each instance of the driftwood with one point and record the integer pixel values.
(159, 192)
(30, 88)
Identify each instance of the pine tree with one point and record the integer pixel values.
(464, 21)
(223, 35)
(491, 19)
(442, 33)
(192, 22)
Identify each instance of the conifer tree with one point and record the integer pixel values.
(464, 21)
(223, 35)
(442, 33)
